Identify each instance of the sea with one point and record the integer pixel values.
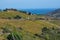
(38, 11)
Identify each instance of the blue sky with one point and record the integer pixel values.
(27, 4)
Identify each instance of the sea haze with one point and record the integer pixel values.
(38, 11)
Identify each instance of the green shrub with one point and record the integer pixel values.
(14, 36)
(51, 34)
(5, 30)
(17, 17)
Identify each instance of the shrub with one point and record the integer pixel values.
(9, 18)
(14, 36)
(51, 34)
(17, 17)
(5, 30)
(37, 35)
(45, 29)
(29, 13)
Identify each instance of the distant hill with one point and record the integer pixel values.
(38, 11)
(54, 14)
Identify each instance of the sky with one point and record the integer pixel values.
(28, 4)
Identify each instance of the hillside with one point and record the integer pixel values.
(16, 22)
(54, 14)
(54, 17)
(32, 27)
(12, 14)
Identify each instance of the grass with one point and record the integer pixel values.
(57, 22)
(12, 14)
(29, 27)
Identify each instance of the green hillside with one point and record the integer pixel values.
(12, 14)
(27, 29)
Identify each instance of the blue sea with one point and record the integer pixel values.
(38, 11)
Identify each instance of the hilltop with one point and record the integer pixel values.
(11, 13)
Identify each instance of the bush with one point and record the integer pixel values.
(37, 35)
(29, 13)
(17, 17)
(9, 18)
(51, 34)
(45, 29)
(5, 30)
(14, 36)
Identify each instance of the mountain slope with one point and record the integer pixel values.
(11, 14)
(27, 28)
(54, 14)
